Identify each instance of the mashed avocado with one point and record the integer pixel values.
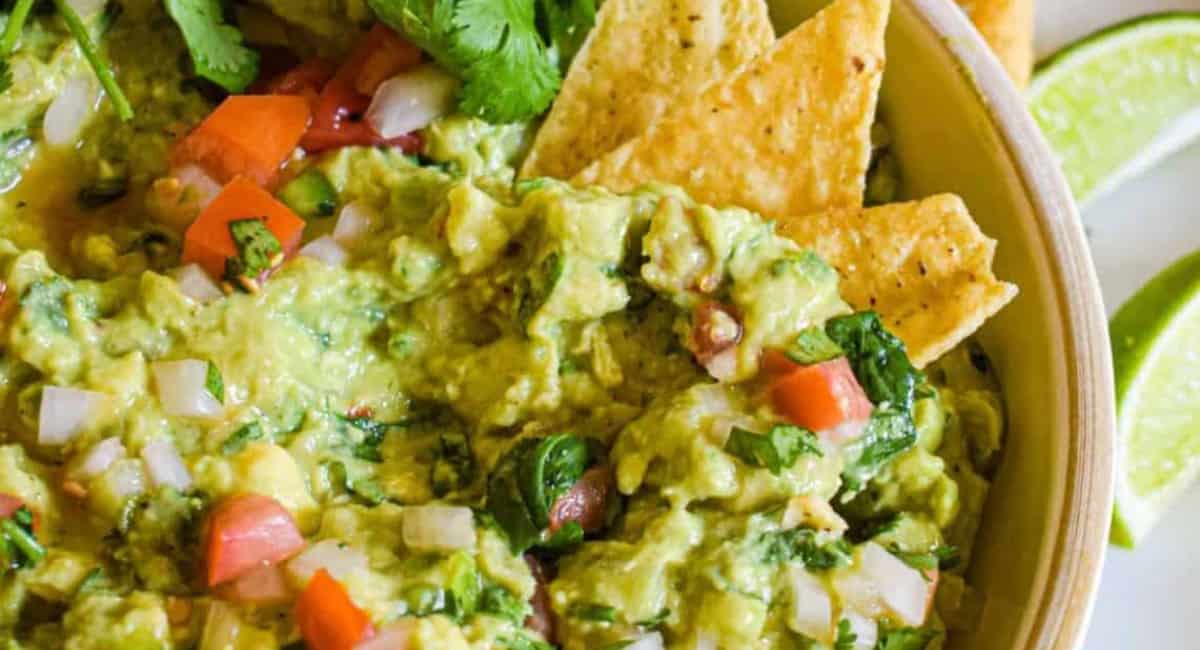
(595, 376)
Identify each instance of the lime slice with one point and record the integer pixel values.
(1156, 355)
(1118, 101)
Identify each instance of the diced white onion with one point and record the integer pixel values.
(411, 100)
(98, 459)
(705, 642)
(393, 637)
(195, 284)
(263, 586)
(439, 528)
(865, 630)
(87, 8)
(326, 250)
(70, 110)
(201, 188)
(881, 583)
(165, 466)
(182, 389)
(812, 609)
(336, 557)
(125, 479)
(651, 641)
(723, 365)
(354, 222)
(221, 627)
(844, 432)
(65, 412)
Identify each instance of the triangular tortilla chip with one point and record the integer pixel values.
(641, 56)
(924, 266)
(787, 134)
(1007, 25)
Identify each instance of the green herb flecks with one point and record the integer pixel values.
(527, 481)
(45, 300)
(803, 545)
(811, 346)
(258, 251)
(96, 59)
(368, 448)
(846, 638)
(655, 621)
(889, 433)
(775, 450)
(593, 612)
(214, 383)
(942, 557)
(102, 192)
(19, 547)
(536, 286)
(238, 440)
(364, 487)
(879, 359)
(497, 601)
(454, 465)
(216, 49)
(907, 638)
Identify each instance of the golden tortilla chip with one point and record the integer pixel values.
(787, 134)
(1007, 25)
(641, 56)
(924, 266)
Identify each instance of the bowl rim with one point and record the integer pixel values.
(1061, 608)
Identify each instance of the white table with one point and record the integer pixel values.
(1149, 598)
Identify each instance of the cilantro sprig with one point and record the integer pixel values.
(507, 52)
(216, 48)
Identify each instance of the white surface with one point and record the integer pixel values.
(1148, 598)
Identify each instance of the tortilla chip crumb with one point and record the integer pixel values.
(640, 57)
(1007, 25)
(924, 266)
(787, 134)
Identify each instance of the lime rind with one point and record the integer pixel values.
(1120, 100)
(1147, 327)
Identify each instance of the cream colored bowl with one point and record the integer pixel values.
(960, 126)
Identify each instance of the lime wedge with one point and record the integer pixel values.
(1156, 355)
(1118, 101)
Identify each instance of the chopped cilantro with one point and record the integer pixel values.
(524, 643)
(907, 638)
(594, 612)
(45, 300)
(509, 72)
(526, 482)
(775, 450)
(811, 346)
(258, 250)
(216, 48)
(368, 448)
(102, 192)
(879, 359)
(889, 433)
(801, 544)
(501, 603)
(846, 638)
(942, 557)
(238, 440)
(534, 289)
(214, 383)
(454, 464)
(365, 488)
(656, 620)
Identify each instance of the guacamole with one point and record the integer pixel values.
(447, 408)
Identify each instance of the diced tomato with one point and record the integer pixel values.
(337, 119)
(381, 55)
(542, 619)
(244, 533)
(715, 328)
(820, 397)
(585, 502)
(208, 241)
(305, 80)
(327, 618)
(247, 135)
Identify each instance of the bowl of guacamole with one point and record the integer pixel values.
(540, 324)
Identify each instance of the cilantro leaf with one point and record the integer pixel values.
(238, 440)
(775, 450)
(889, 433)
(801, 544)
(429, 24)
(566, 24)
(216, 48)
(593, 612)
(942, 557)
(846, 638)
(879, 359)
(214, 383)
(501, 603)
(811, 346)
(907, 638)
(258, 250)
(19, 547)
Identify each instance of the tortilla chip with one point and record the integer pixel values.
(1007, 25)
(924, 266)
(641, 56)
(787, 134)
